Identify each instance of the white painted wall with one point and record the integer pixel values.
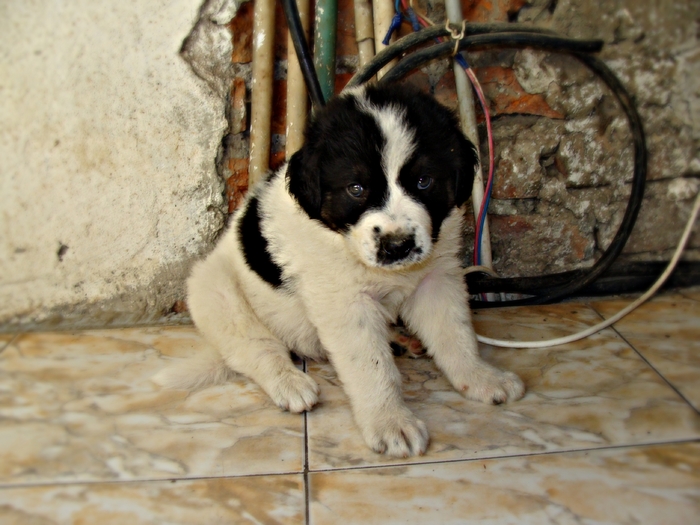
(108, 143)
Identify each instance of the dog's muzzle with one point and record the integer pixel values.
(396, 248)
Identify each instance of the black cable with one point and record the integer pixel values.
(558, 286)
(303, 54)
(549, 288)
(412, 40)
(540, 41)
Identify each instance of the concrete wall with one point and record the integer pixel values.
(123, 123)
(108, 146)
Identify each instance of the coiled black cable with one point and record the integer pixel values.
(557, 286)
(550, 288)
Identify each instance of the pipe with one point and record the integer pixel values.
(301, 48)
(467, 116)
(364, 31)
(261, 91)
(325, 29)
(383, 11)
(297, 103)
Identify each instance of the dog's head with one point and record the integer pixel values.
(383, 166)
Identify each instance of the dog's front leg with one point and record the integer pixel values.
(438, 312)
(359, 351)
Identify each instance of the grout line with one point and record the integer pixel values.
(42, 484)
(10, 342)
(514, 456)
(64, 483)
(649, 364)
(306, 460)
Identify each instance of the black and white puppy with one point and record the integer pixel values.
(363, 225)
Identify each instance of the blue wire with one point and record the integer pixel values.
(395, 23)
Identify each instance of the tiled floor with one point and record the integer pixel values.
(609, 432)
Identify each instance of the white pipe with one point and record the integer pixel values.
(383, 11)
(467, 116)
(261, 91)
(297, 103)
(364, 31)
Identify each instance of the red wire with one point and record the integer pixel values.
(489, 133)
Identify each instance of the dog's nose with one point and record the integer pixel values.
(393, 248)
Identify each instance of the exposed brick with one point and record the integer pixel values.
(345, 38)
(506, 96)
(179, 307)
(279, 107)
(280, 32)
(341, 80)
(239, 117)
(491, 10)
(237, 183)
(277, 158)
(242, 34)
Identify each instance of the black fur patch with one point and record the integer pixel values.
(343, 147)
(442, 152)
(255, 246)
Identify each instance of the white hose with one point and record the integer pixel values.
(383, 12)
(364, 31)
(600, 326)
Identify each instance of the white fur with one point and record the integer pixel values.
(338, 305)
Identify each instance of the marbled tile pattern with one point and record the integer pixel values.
(588, 394)
(602, 436)
(657, 484)
(5, 340)
(666, 332)
(257, 499)
(81, 407)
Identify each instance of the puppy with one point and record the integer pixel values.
(361, 226)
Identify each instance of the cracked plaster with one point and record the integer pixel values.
(109, 140)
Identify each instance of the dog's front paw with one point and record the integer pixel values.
(485, 383)
(294, 391)
(395, 432)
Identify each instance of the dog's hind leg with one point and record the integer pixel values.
(225, 318)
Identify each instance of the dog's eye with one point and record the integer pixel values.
(424, 182)
(356, 190)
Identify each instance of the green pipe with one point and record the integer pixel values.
(325, 27)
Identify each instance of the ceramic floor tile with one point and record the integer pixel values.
(5, 340)
(655, 484)
(666, 331)
(589, 394)
(81, 407)
(255, 500)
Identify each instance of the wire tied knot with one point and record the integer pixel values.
(456, 36)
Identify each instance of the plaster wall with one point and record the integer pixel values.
(108, 141)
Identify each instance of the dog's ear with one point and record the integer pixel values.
(469, 161)
(305, 182)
